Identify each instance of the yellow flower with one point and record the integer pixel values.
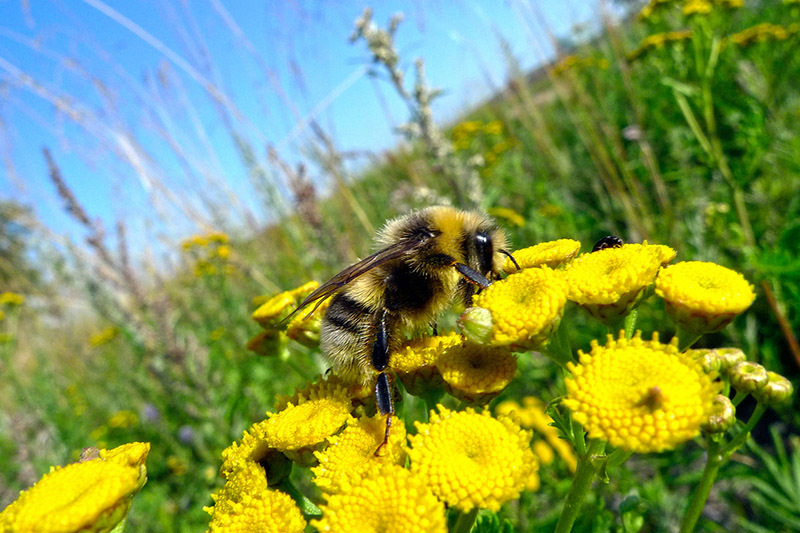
(11, 299)
(304, 327)
(531, 415)
(703, 297)
(123, 419)
(91, 496)
(552, 254)
(223, 251)
(475, 373)
(271, 312)
(697, 7)
(389, 499)
(353, 450)
(763, 32)
(473, 460)
(525, 308)
(245, 505)
(641, 396)
(300, 429)
(415, 361)
(610, 282)
(103, 337)
(507, 214)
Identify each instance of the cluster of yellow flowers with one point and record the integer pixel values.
(575, 63)
(211, 253)
(641, 396)
(659, 40)
(764, 32)
(687, 7)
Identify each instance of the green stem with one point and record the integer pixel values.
(630, 322)
(465, 521)
(307, 507)
(717, 456)
(581, 483)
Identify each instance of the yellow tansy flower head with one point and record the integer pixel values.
(390, 499)
(641, 396)
(245, 505)
(270, 313)
(552, 254)
(472, 460)
(703, 297)
(525, 308)
(91, 496)
(300, 429)
(475, 373)
(610, 282)
(353, 450)
(415, 361)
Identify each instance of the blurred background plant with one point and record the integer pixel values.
(675, 122)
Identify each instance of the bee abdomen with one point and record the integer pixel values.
(345, 326)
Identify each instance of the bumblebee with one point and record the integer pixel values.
(426, 259)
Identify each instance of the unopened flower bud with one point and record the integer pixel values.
(778, 390)
(723, 418)
(747, 376)
(708, 358)
(729, 357)
(476, 324)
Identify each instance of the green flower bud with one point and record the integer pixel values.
(723, 418)
(729, 357)
(476, 324)
(747, 376)
(778, 390)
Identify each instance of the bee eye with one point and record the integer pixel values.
(484, 251)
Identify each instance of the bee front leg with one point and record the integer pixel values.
(380, 361)
(473, 276)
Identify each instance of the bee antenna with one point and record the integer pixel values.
(508, 254)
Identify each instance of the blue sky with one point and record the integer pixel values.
(116, 91)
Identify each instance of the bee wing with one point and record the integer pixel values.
(352, 272)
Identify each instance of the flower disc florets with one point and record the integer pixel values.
(525, 307)
(703, 297)
(641, 396)
(552, 254)
(473, 460)
(386, 499)
(245, 504)
(415, 361)
(299, 429)
(610, 282)
(90, 496)
(475, 373)
(353, 450)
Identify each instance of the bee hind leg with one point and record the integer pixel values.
(383, 389)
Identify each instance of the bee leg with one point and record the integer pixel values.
(473, 276)
(435, 328)
(380, 361)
